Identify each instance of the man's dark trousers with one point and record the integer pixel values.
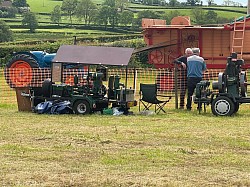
(191, 84)
(183, 87)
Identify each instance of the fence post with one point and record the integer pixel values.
(135, 80)
(176, 85)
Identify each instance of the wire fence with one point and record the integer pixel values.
(10, 80)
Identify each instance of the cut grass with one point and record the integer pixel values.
(43, 5)
(179, 148)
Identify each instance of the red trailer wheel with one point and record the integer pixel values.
(172, 55)
(155, 57)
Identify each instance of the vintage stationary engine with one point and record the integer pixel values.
(228, 92)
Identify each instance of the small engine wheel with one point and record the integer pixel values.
(223, 106)
(81, 107)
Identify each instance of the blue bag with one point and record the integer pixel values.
(44, 107)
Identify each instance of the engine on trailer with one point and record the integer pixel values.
(101, 74)
(228, 92)
(233, 79)
(202, 93)
(89, 97)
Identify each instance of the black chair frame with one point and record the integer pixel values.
(148, 97)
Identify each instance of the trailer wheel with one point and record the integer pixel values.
(19, 70)
(155, 57)
(223, 106)
(81, 107)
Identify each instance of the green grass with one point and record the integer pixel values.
(188, 12)
(230, 8)
(229, 14)
(48, 5)
(178, 148)
(43, 5)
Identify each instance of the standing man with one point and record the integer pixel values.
(183, 74)
(195, 68)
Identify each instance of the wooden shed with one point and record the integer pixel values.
(167, 42)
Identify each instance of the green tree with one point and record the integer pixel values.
(12, 11)
(110, 3)
(93, 16)
(145, 14)
(86, 10)
(147, 2)
(227, 2)
(121, 4)
(103, 15)
(20, 3)
(30, 21)
(223, 20)
(199, 15)
(211, 16)
(169, 16)
(112, 13)
(210, 2)
(113, 16)
(69, 7)
(173, 3)
(193, 2)
(56, 15)
(5, 32)
(126, 17)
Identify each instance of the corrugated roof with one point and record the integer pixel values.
(93, 55)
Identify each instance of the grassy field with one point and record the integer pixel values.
(43, 5)
(21, 34)
(178, 148)
(188, 12)
(53, 34)
(48, 5)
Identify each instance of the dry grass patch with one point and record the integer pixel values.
(179, 148)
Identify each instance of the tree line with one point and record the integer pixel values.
(176, 3)
(111, 13)
(116, 12)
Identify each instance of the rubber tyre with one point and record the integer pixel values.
(81, 107)
(223, 106)
(19, 71)
(46, 88)
(236, 107)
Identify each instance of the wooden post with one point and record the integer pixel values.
(135, 80)
(23, 103)
(176, 85)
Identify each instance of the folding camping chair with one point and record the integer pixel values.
(148, 97)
